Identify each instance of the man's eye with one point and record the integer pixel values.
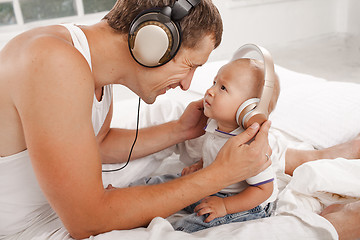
(223, 88)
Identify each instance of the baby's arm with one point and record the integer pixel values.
(192, 168)
(251, 197)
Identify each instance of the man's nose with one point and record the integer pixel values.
(185, 83)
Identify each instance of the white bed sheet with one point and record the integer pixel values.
(313, 186)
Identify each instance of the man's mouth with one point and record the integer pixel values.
(164, 90)
(170, 87)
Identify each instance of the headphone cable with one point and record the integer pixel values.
(132, 147)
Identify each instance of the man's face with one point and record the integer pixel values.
(178, 72)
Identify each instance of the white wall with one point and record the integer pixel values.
(272, 24)
(282, 22)
(348, 17)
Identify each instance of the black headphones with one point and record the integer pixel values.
(155, 34)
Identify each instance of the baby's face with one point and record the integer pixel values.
(232, 86)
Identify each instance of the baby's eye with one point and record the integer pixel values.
(214, 82)
(223, 88)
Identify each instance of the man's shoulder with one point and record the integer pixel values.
(43, 45)
(48, 52)
(44, 58)
(50, 46)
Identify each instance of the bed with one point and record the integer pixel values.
(311, 113)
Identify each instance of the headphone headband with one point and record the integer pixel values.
(182, 8)
(261, 112)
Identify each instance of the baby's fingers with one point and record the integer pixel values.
(184, 171)
(205, 210)
(211, 217)
(248, 134)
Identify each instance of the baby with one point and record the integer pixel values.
(235, 83)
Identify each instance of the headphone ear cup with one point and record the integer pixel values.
(244, 110)
(254, 116)
(154, 38)
(153, 49)
(151, 44)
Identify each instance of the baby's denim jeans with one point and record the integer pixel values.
(192, 223)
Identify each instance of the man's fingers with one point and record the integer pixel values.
(200, 103)
(248, 134)
(264, 131)
(261, 145)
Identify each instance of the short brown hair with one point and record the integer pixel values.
(203, 20)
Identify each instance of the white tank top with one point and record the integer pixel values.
(23, 207)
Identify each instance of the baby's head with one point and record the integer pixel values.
(235, 83)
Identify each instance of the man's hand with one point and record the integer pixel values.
(193, 120)
(239, 160)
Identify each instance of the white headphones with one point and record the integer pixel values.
(155, 34)
(256, 109)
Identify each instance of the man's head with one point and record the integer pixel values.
(235, 83)
(201, 33)
(203, 20)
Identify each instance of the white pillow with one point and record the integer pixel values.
(314, 110)
(319, 112)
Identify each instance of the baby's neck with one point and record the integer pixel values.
(226, 128)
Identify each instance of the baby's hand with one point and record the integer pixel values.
(212, 205)
(193, 168)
